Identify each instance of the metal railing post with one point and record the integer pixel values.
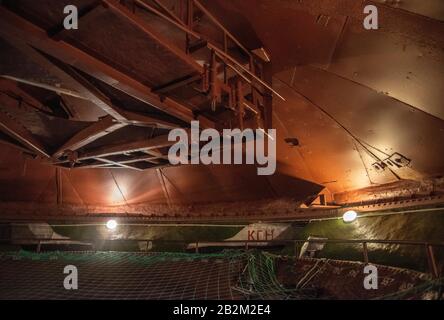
(296, 249)
(365, 252)
(432, 261)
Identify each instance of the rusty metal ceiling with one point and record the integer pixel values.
(344, 84)
(94, 104)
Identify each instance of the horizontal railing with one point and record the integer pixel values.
(428, 246)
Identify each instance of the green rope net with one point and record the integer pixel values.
(230, 274)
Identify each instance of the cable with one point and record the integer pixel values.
(339, 124)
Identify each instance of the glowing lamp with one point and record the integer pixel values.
(350, 216)
(111, 224)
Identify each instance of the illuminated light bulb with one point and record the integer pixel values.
(111, 224)
(350, 216)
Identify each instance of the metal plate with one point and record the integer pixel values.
(429, 8)
(393, 64)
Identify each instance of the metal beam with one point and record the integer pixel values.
(16, 131)
(89, 134)
(96, 96)
(95, 165)
(117, 164)
(16, 146)
(217, 23)
(165, 8)
(178, 83)
(141, 24)
(16, 97)
(128, 147)
(83, 88)
(137, 119)
(18, 27)
(47, 62)
(92, 94)
(45, 86)
(153, 153)
(106, 125)
(221, 53)
(147, 158)
(269, 210)
(103, 102)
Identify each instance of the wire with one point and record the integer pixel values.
(118, 187)
(339, 124)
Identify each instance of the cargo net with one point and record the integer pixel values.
(228, 275)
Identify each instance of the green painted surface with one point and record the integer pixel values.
(427, 226)
(187, 234)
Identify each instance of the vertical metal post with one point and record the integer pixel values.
(432, 261)
(296, 250)
(197, 247)
(240, 103)
(214, 85)
(365, 252)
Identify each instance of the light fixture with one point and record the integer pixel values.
(350, 216)
(111, 224)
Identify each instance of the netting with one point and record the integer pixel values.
(228, 275)
(117, 275)
(258, 280)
